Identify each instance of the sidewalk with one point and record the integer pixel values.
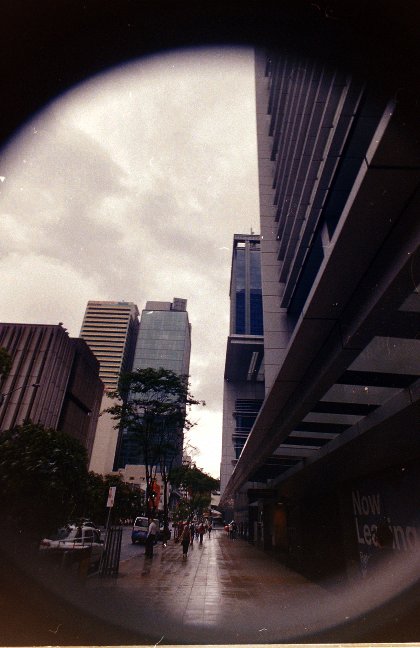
(227, 591)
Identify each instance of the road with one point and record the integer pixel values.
(128, 549)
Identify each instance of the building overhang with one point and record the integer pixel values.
(244, 356)
(365, 298)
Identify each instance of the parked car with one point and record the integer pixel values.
(74, 538)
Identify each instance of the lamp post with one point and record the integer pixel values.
(3, 396)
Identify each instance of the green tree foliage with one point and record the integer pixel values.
(152, 405)
(128, 503)
(194, 480)
(198, 485)
(43, 478)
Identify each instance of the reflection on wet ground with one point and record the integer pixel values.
(226, 591)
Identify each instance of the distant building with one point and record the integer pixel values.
(54, 380)
(244, 369)
(164, 341)
(110, 329)
(164, 338)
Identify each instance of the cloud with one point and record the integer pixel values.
(37, 289)
(131, 187)
(206, 437)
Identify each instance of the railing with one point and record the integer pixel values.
(110, 562)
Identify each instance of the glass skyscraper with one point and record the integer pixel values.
(244, 370)
(164, 338)
(164, 341)
(246, 294)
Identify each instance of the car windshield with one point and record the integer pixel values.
(141, 522)
(61, 533)
(74, 533)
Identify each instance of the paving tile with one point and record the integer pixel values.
(224, 592)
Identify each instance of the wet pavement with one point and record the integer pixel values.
(226, 591)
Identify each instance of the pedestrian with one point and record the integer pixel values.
(180, 528)
(151, 537)
(192, 533)
(233, 530)
(201, 532)
(166, 535)
(185, 540)
(209, 528)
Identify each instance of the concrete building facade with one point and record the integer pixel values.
(54, 381)
(339, 203)
(110, 329)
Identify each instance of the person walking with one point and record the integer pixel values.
(192, 533)
(151, 537)
(209, 528)
(201, 532)
(185, 540)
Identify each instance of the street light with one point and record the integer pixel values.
(3, 396)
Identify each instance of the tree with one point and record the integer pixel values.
(169, 448)
(198, 485)
(43, 476)
(129, 502)
(152, 408)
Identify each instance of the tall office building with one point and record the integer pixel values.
(338, 427)
(164, 341)
(243, 392)
(110, 329)
(54, 380)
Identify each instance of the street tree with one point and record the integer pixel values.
(197, 484)
(129, 501)
(152, 407)
(43, 475)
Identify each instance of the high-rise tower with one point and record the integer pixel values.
(164, 341)
(110, 329)
(244, 369)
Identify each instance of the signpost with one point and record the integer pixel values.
(111, 556)
(110, 504)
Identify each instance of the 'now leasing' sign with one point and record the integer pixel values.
(390, 502)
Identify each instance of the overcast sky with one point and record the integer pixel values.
(130, 187)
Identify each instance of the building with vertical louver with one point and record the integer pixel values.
(338, 428)
(54, 381)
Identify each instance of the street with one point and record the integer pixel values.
(128, 549)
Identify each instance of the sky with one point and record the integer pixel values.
(130, 187)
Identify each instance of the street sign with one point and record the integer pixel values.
(111, 496)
